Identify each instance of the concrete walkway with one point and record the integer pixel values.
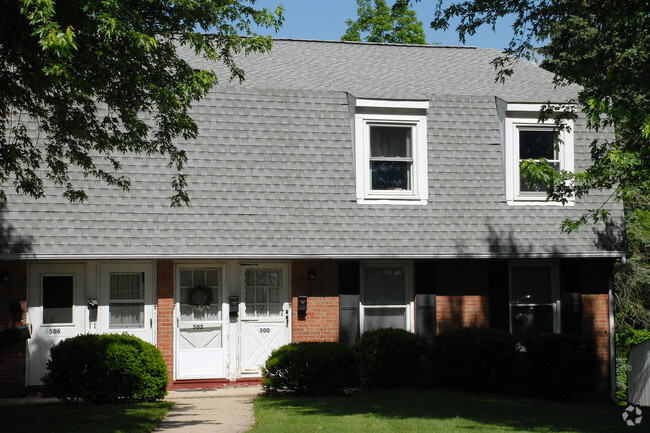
(227, 410)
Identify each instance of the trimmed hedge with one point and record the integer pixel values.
(558, 365)
(388, 358)
(476, 359)
(106, 368)
(311, 368)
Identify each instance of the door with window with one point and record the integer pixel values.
(265, 313)
(126, 300)
(56, 311)
(200, 311)
(386, 296)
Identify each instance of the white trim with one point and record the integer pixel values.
(419, 192)
(391, 104)
(566, 157)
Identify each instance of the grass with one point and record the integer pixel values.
(70, 417)
(407, 410)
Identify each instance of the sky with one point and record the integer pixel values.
(325, 20)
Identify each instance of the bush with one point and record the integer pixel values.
(311, 368)
(477, 359)
(106, 368)
(388, 357)
(557, 365)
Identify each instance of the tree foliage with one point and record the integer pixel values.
(101, 78)
(603, 46)
(380, 23)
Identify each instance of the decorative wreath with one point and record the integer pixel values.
(200, 298)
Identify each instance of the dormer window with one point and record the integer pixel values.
(525, 138)
(391, 151)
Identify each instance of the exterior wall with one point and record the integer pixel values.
(166, 314)
(322, 321)
(595, 323)
(13, 356)
(462, 312)
(462, 295)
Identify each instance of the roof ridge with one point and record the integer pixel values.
(325, 41)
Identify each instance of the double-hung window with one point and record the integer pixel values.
(126, 300)
(526, 138)
(386, 296)
(391, 151)
(534, 299)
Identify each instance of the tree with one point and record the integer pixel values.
(102, 78)
(603, 46)
(398, 25)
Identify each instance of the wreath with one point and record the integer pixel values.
(200, 298)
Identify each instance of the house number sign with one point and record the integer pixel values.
(54, 331)
(197, 326)
(265, 330)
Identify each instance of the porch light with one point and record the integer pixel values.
(311, 274)
(4, 276)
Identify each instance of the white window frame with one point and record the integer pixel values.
(554, 295)
(517, 117)
(399, 114)
(408, 295)
(142, 300)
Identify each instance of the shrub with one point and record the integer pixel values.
(477, 359)
(557, 365)
(388, 357)
(106, 368)
(311, 368)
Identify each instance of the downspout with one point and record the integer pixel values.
(612, 337)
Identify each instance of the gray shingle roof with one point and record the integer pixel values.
(272, 172)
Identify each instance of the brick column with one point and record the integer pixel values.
(595, 324)
(322, 321)
(166, 314)
(13, 294)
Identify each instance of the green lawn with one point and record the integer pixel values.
(408, 411)
(68, 417)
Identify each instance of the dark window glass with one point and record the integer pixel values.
(57, 299)
(390, 141)
(537, 144)
(390, 175)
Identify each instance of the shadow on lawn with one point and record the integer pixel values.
(493, 411)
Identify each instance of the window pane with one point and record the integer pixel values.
(212, 278)
(262, 292)
(186, 278)
(199, 278)
(384, 286)
(531, 284)
(537, 144)
(126, 286)
(530, 321)
(391, 175)
(57, 299)
(529, 184)
(129, 315)
(390, 141)
(375, 318)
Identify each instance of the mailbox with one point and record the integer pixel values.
(302, 307)
(234, 306)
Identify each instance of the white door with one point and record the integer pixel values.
(200, 345)
(265, 314)
(56, 311)
(126, 300)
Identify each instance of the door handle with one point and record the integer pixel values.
(286, 316)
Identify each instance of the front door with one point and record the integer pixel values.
(265, 314)
(57, 311)
(200, 345)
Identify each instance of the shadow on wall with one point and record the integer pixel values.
(611, 237)
(9, 242)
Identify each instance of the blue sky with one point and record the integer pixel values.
(325, 20)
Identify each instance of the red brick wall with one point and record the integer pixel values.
(13, 356)
(461, 312)
(322, 321)
(166, 314)
(595, 324)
